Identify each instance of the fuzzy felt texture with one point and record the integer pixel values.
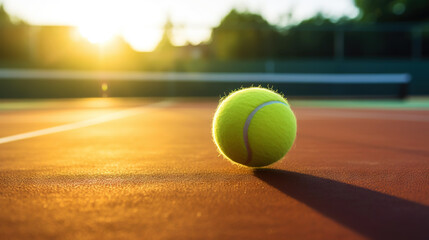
(271, 132)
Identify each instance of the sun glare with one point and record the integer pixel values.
(97, 34)
(142, 39)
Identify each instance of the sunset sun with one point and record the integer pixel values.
(97, 34)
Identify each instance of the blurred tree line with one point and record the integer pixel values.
(383, 11)
(382, 29)
(23, 45)
(13, 38)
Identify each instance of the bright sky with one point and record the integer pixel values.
(140, 21)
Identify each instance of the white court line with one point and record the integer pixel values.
(85, 123)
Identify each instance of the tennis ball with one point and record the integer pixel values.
(254, 127)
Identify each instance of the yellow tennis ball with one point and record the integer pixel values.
(254, 127)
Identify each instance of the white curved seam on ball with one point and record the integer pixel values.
(247, 124)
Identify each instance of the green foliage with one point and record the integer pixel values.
(302, 41)
(165, 42)
(243, 35)
(239, 20)
(317, 20)
(13, 37)
(393, 10)
(5, 19)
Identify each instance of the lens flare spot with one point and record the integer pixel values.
(104, 87)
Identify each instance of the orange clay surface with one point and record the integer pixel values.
(352, 174)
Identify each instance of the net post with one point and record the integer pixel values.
(417, 44)
(404, 87)
(339, 44)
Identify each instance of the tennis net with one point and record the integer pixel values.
(69, 83)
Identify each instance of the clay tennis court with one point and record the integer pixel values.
(148, 169)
